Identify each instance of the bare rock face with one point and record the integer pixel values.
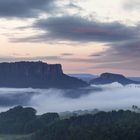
(108, 78)
(36, 75)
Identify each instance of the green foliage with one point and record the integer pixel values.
(14, 120)
(114, 125)
(121, 125)
(41, 122)
(15, 137)
(21, 120)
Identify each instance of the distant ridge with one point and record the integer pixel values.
(134, 78)
(108, 78)
(83, 76)
(36, 75)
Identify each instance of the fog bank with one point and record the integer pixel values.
(112, 96)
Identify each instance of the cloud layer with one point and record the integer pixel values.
(129, 5)
(113, 96)
(63, 24)
(79, 29)
(123, 40)
(24, 8)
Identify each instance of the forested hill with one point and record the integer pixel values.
(19, 120)
(121, 125)
(114, 125)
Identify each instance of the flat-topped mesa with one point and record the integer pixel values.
(28, 68)
(36, 75)
(112, 76)
(108, 78)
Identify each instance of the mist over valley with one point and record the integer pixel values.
(103, 97)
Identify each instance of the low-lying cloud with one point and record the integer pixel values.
(113, 96)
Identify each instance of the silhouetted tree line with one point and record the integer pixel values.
(114, 125)
(121, 125)
(21, 120)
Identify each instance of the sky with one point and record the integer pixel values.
(92, 36)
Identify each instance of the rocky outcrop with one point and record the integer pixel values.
(36, 75)
(108, 78)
